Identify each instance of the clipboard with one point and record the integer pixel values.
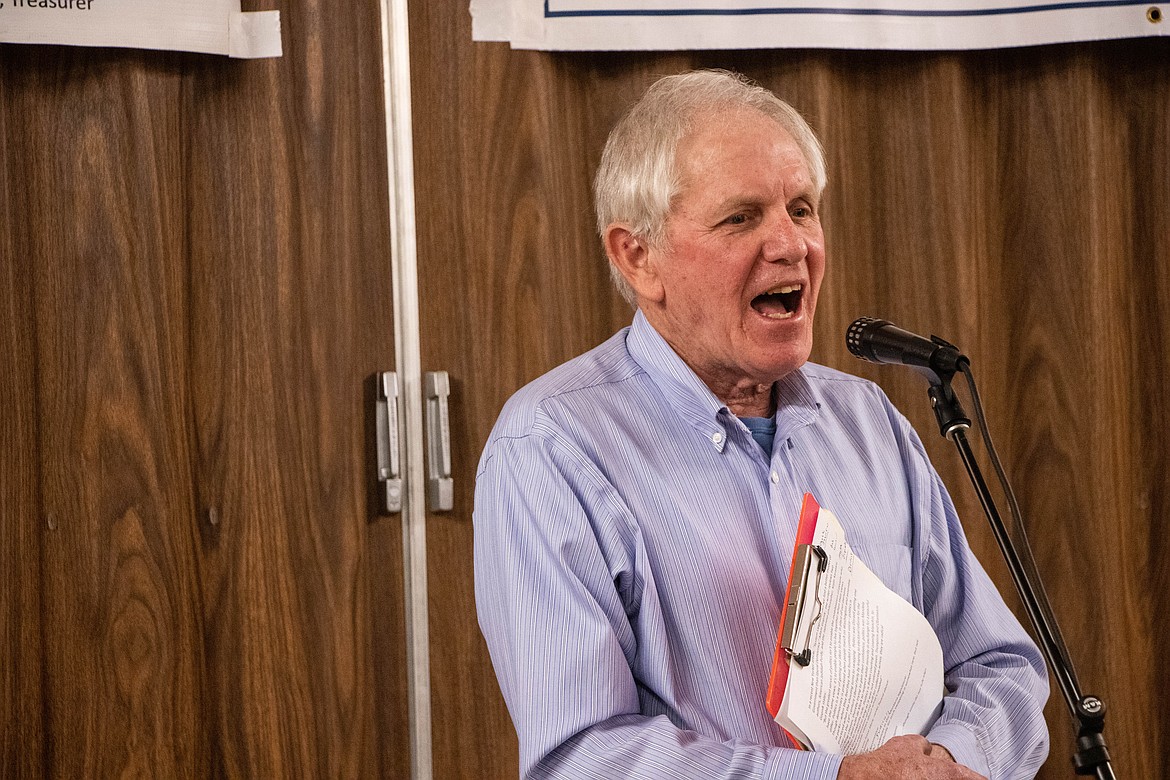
(802, 606)
(793, 643)
(888, 655)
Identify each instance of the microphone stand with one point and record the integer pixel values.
(1091, 756)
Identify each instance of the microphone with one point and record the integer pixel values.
(880, 341)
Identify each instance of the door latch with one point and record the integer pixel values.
(386, 421)
(440, 486)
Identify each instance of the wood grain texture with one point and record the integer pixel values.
(1142, 527)
(22, 734)
(292, 311)
(98, 141)
(1065, 349)
(1014, 202)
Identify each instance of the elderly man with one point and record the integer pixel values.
(636, 508)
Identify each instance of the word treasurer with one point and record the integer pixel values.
(66, 5)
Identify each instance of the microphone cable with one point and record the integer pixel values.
(1025, 549)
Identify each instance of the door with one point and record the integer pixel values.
(195, 288)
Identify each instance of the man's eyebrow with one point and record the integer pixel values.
(811, 196)
(737, 202)
(808, 193)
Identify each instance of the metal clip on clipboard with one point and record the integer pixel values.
(804, 602)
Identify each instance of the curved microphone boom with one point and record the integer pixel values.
(880, 341)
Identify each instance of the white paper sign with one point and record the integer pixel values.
(828, 24)
(207, 26)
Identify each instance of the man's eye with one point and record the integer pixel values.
(800, 212)
(736, 219)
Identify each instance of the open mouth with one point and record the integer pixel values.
(779, 303)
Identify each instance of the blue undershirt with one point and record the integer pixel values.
(763, 430)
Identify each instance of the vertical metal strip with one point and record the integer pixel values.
(404, 267)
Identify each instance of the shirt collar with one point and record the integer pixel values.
(695, 403)
(680, 386)
(796, 403)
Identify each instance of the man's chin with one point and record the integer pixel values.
(781, 365)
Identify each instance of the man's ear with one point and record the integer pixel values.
(632, 257)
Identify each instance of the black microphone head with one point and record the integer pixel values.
(854, 337)
(880, 341)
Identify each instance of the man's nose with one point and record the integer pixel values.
(784, 242)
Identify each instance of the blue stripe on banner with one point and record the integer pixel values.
(807, 11)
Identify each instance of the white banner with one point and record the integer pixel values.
(208, 26)
(606, 25)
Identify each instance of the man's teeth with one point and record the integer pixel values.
(786, 289)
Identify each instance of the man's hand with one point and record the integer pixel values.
(908, 758)
(939, 750)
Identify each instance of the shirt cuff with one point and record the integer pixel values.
(802, 765)
(961, 741)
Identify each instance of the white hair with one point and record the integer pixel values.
(638, 177)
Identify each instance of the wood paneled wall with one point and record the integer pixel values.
(1016, 202)
(194, 286)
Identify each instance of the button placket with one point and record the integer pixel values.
(785, 485)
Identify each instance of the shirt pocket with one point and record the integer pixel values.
(891, 564)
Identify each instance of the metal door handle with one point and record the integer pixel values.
(386, 421)
(440, 486)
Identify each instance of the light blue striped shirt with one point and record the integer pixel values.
(632, 547)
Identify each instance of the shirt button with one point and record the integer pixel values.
(775, 478)
(717, 438)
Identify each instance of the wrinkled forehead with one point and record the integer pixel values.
(716, 141)
(712, 128)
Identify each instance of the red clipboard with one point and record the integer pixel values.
(809, 510)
